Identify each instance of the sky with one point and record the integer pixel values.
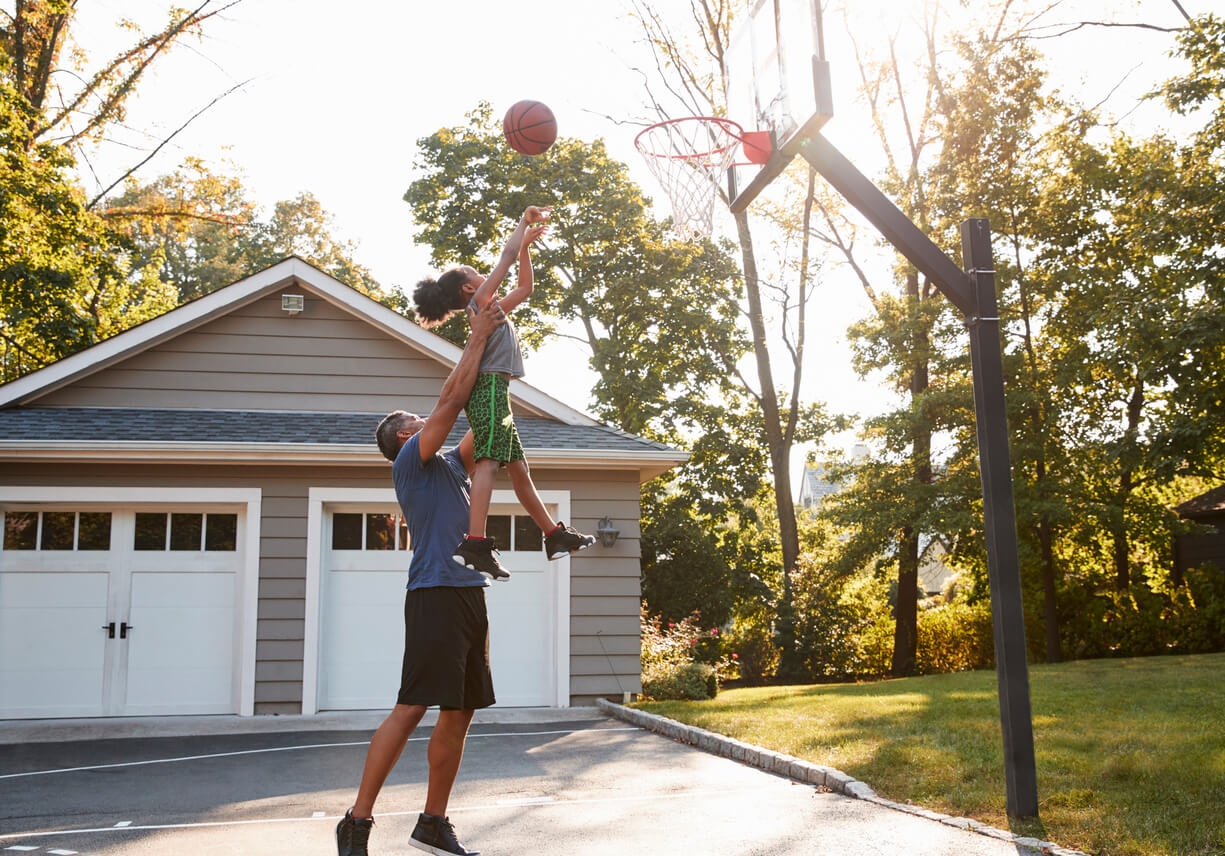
(332, 102)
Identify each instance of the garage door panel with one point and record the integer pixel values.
(181, 645)
(521, 638)
(52, 645)
(362, 639)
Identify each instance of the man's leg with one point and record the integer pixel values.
(385, 748)
(445, 751)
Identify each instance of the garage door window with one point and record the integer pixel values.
(352, 531)
(186, 532)
(514, 532)
(57, 530)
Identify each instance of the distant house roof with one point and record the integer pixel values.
(816, 485)
(1206, 505)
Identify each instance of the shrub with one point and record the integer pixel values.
(751, 646)
(955, 637)
(689, 681)
(680, 660)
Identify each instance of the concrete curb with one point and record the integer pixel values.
(809, 773)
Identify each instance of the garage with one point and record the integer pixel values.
(121, 610)
(363, 565)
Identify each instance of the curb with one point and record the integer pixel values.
(810, 774)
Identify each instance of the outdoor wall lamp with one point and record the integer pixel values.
(607, 532)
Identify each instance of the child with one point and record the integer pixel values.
(495, 438)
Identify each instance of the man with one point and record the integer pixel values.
(446, 647)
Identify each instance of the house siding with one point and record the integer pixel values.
(604, 582)
(260, 358)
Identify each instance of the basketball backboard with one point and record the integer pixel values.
(778, 81)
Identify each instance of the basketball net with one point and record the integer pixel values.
(689, 157)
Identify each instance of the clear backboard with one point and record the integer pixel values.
(778, 82)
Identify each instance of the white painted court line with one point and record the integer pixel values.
(294, 749)
(499, 806)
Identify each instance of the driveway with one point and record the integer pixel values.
(553, 783)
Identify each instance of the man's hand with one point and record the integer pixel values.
(481, 324)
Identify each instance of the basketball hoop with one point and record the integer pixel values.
(689, 157)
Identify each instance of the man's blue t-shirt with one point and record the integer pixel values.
(434, 498)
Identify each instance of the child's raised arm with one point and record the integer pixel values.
(514, 244)
(527, 279)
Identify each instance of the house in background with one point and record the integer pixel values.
(1206, 548)
(196, 519)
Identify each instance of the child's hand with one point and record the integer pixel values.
(533, 234)
(537, 214)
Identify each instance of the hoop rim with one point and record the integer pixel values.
(729, 126)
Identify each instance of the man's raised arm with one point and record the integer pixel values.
(458, 385)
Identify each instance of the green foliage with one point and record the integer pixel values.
(752, 644)
(955, 637)
(835, 615)
(202, 231)
(680, 660)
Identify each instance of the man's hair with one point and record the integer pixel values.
(385, 435)
(436, 299)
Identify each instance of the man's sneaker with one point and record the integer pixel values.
(436, 835)
(481, 554)
(352, 835)
(564, 540)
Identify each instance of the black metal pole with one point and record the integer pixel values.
(999, 525)
(974, 295)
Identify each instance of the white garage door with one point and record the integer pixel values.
(364, 567)
(110, 611)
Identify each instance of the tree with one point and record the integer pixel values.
(694, 86)
(66, 279)
(202, 231)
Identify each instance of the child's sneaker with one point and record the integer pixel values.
(481, 554)
(564, 540)
(436, 835)
(352, 835)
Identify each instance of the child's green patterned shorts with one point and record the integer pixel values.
(493, 425)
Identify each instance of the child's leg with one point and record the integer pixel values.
(525, 492)
(483, 476)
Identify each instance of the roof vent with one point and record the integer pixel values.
(293, 303)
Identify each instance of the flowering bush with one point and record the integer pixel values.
(680, 660)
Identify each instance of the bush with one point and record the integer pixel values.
(680, 660)
(956, 637)
(751, 646)
(685, 681)
(837, 618)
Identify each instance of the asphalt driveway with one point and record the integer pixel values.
(554, 784)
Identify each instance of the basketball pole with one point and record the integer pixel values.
(973, 294)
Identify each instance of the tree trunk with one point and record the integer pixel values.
(790, 667)
(906, 610)
(1050, 606)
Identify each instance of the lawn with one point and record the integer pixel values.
(1130, 753)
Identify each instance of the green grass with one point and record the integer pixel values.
(1130, 753)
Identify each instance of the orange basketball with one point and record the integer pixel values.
(530, 127)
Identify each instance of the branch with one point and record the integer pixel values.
(164, 142)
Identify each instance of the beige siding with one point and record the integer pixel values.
(605, 584)
(260, 358)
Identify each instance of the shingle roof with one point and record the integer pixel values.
(264, 426)
(1210, 504)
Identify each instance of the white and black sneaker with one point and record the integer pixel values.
(565, 540)
(481, 554)
(436, 835)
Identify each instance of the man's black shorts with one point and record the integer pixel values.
(446, 649)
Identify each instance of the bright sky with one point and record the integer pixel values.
(339, 93)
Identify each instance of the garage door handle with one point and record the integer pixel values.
(124, 627)
(110, 630)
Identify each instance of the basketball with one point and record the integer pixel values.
(530, 127)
